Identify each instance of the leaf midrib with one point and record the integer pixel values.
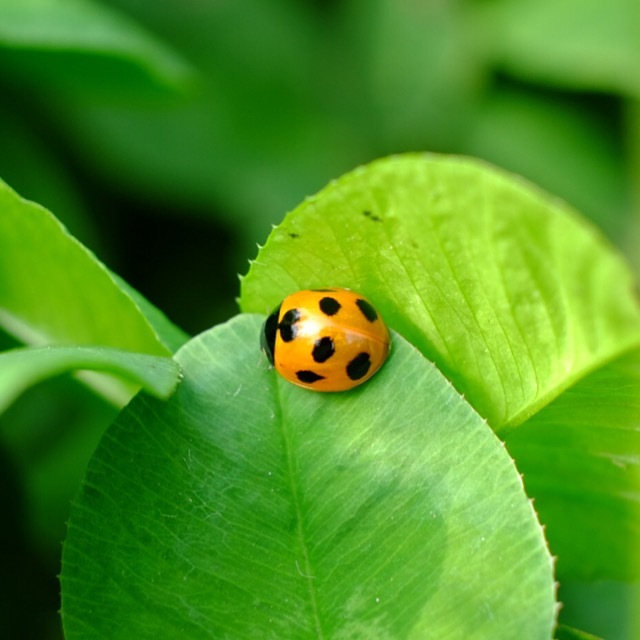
(306, 570)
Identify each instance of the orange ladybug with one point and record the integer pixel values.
(325, 339)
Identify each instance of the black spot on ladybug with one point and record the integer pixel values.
(268, 335)
(329, 306)
(359, 366)
(372, 216)
(367, 310)
(293, 235)
(287, 326)
(323, 349)
(309, 377)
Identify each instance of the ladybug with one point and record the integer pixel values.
(325, 339)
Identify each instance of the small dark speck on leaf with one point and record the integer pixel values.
(294, 235)
(371, 216)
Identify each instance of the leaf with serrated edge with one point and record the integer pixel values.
(507, 290)
(246, 507)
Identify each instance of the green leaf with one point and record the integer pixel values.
(245, 507)
(581, 461)
(586, 44)
(81, 45)
(53, 290)
(609, 609)
(172, 336)
(510, 293)
(49, 434)
(563, 632)
(21, 368)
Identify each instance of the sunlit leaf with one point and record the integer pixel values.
(505, 288)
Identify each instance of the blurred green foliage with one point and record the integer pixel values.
(170, 136)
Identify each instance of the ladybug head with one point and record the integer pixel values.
(268, 334)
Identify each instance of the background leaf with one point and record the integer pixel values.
(247, 507)
(580, 457)
(605, 607)
(22, 368)
(577, 43)
(505, 288)
(420, 69)
(57, 42)
(54, 187)
(564, 632)
(553, 127)
(55, 290)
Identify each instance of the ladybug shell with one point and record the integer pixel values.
(326, 339)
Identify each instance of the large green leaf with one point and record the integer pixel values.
(245, 507)
(81, 44)
(22, 368)
(505, 288)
